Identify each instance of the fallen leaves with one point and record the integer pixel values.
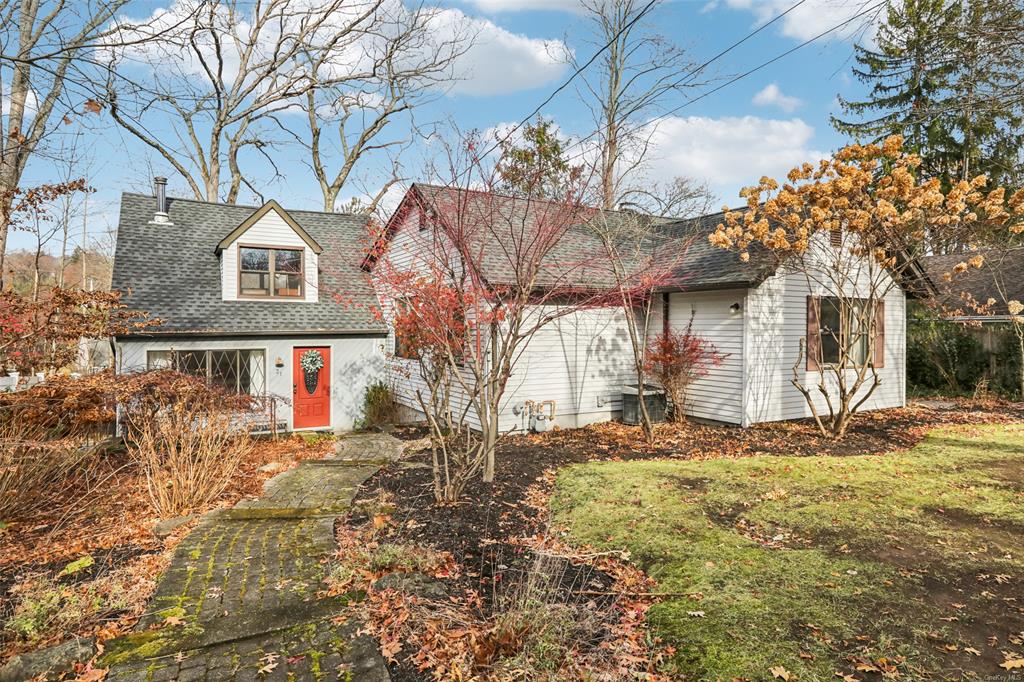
(1012, 664)
(780, 673)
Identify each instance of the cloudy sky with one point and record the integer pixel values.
(761, 125)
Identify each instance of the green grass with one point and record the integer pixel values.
(817, 563)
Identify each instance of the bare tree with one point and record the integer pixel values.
(45, 69)
(406, 60)
(218, 80)
(637, 72)
(642, 258)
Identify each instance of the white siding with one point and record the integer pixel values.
(356, 362)
(580, 361)
(719, 395)
(776, 316)
(270, 230)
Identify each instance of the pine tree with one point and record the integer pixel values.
(986, 124)
(910, 72)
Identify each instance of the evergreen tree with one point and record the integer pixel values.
(535, 166)
(987, 125)
(910, 74)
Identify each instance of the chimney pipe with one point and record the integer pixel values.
(160, 190)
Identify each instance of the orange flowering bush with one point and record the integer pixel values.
(855, 226)
(874, 194)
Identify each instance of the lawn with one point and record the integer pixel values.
(908, 563)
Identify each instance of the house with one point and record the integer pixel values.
(1000, 279)
(965, 297)
(755, 313)
(249, 295)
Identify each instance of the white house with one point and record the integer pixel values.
(244, 293)
(752, 312)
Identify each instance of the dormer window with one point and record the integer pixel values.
(270, 272)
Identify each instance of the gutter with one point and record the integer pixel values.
(369, 333)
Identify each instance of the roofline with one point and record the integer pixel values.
(253, 207)
(257, 215)
(186, 334)
(388, 231)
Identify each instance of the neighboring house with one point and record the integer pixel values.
(754, 314)
(244, 293)
(1000, 279)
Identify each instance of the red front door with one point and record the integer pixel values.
(311, 389)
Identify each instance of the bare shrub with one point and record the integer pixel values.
(542, 625)
(32, 468)
(187, 437)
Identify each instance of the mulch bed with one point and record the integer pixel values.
(105, 513)
(480, 530)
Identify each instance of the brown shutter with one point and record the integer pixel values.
(813, 334)
(878, 352)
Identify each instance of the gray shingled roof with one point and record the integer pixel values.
(579, 254)
(172, 272)
(1001, 275)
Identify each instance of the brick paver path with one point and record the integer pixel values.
(240, 599)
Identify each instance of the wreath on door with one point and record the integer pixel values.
(311, 362)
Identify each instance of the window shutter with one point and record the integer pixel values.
(878, 352)
(813, 334)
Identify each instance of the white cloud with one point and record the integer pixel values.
(731, 152)
(501, 62)
(494, 6)
(770, 95)
(497, 62)
(812, 17)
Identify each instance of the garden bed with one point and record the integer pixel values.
(86, 564)
(484, 532)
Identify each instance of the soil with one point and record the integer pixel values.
(480, 531)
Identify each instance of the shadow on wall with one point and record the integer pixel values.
(351, 379)
(579, 361)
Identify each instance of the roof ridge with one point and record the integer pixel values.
(250, 206)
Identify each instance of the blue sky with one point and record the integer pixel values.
(763, 124)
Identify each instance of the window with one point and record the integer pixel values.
(835, 326)
(270, 272)
(241, 371)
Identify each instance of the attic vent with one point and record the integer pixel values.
(160, 191)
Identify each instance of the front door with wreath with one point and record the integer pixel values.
(311, 390)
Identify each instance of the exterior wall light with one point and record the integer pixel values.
(735, 308)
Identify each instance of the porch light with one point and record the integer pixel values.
(279, 362)
(734, 308)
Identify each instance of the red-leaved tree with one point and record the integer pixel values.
(504, 265)
(677, 359)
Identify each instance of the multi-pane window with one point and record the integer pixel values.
(843, 326)
(269, 272)
(242, 371)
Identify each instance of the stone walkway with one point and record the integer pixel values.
(239, 600)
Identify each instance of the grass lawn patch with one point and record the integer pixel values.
(907, 563)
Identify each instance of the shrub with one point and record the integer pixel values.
(63, 406)
(677, 359)
(379, 406)
(33, 468)
(188, 437)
